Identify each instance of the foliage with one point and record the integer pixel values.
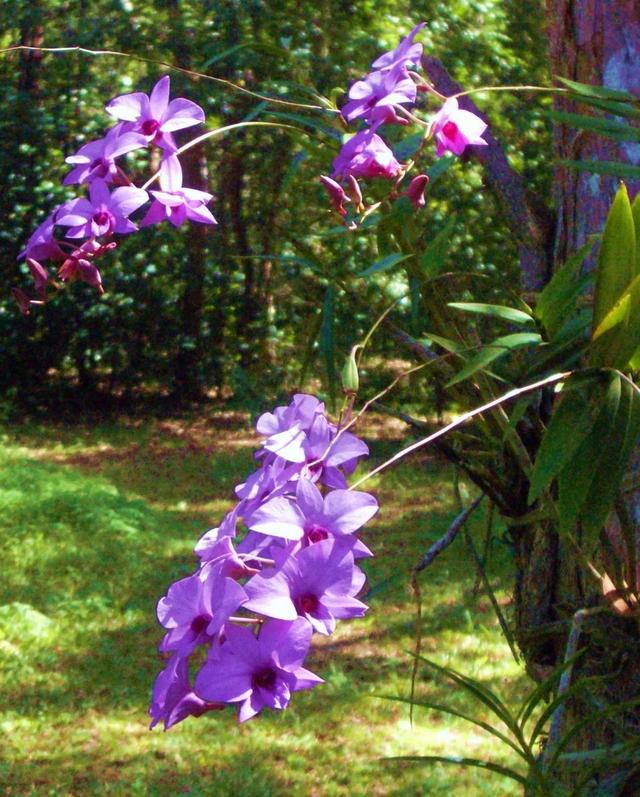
(268, 265)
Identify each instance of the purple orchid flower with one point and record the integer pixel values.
(313, 517)
(103, 213)
(195, 609)
(456, 129)
(154, 116)
(318, 583)
(172, 698)
(365, 155)
(42, 245)
(406, 52)
(175, 203)
(373, 98)
(258, 671)
(97, 158)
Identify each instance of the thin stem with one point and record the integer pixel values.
(408, 115)
(247, 557)
(370, 333)
(549, 89)
(250, 620)
(173, 68)
(467, 416)
(218, 131)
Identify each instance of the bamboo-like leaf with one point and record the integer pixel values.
(616, 258)
(495, 311)
(572, 420)
(615, 340)
(622, 438)
(465, 762)
(408, 147)
(480, 692)
(595, 717)
(557, 300)
(575, 480)
(454, 713)
(384, 264)
(613, 168)
(635, 212)
(601, 92)
(574, 689)
(544, 688)
(433, 258)
(492, 351)
(446, 343)
(598, 124)
(441, 166)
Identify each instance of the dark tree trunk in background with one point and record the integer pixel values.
(187, 377)
(595, 42)
(591, 41)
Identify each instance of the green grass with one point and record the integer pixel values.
(96, 522)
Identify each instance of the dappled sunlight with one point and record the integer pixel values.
(95, 531)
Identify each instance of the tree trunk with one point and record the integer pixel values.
(597, 42)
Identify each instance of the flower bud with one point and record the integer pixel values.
(416, 189)
(349, 374)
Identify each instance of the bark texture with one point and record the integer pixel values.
(597, 42)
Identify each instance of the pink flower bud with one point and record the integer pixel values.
(336, 194)
(416, 189)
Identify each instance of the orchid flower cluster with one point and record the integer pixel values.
(381, 98)
(255, 602)
(78, 232)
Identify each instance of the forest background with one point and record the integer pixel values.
(269, 298)
(98, 517)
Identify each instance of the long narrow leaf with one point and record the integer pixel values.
(544, 688)
(451, 711)
(495, 311)
(480, 692)
(573, 418)
(465, 762)
(613, 168)
(492, 351)
(601, 92)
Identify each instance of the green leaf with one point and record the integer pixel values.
(599, 124)
(451, 711)
(575, 480)
(495, 311)
(602, 92)
(491, 352)
(557, 300)
(433, 257)
(477, 690)
(314, 124)
(465, 762)
(613, 168)
(384, 264)
(635, 212)
(573, 418)
(616, 259)
(447, 345)
(621, 442)
(441, 166)
(617, 338)
(544, 688)
(408, 147)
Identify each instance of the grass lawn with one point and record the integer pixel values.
(97, 521)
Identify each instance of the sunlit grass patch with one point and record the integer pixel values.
(97, 524)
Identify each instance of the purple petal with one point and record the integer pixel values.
(309, 498)
(346, 511)
(170, 173)
(129, 107)
(156, 213)
(181, 113)
(278, 517)
(159, 97)
(290, 641)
